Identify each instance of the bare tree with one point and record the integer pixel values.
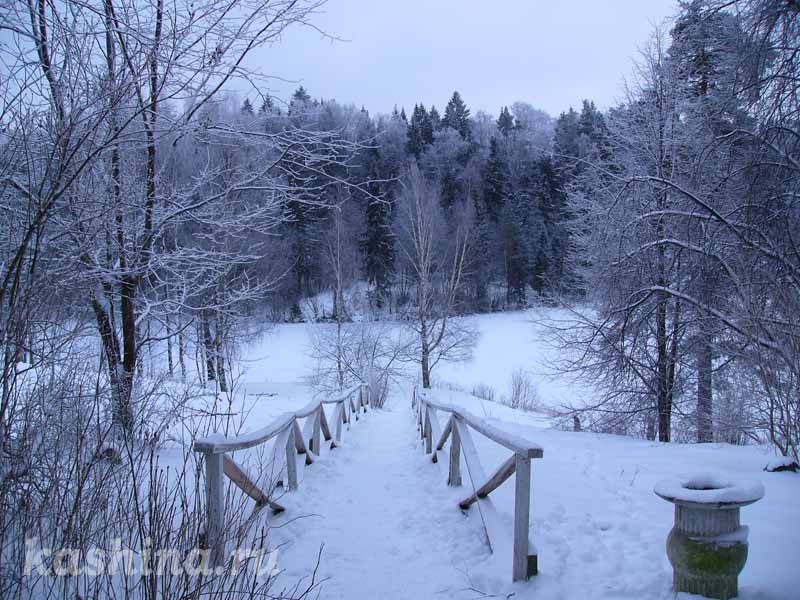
(437, 257)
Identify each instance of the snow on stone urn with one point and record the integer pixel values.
(708, 546)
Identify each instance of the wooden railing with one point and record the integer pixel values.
(524, 558)
(289, 441)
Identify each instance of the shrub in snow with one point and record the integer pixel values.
(449, 385)
(70, 494)
(523, 394)
(782, 463)
(484, 392)
(351, 353)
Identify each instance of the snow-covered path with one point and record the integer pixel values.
(385, 518)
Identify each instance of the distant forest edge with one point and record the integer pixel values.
(507, 175)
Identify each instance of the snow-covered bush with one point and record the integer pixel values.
(351, 353)
(522, 391)
(484, 392)
(66, 485)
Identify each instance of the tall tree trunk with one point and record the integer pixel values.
(170, 360)
(121, 417)
(200, 353)
(650, 418)
(219, 353)
(426, 370)
(705, 365)
(339, 362)
(208, 345)
(705, 357)
(181, 349)
(129, 345)
(662, 367)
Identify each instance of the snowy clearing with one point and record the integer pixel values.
(391, 527)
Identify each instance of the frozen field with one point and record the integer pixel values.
(390, 527)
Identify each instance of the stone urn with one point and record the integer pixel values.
(708, 546)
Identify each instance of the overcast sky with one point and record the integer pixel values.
(549, 53)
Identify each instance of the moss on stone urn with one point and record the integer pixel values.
(707, 547)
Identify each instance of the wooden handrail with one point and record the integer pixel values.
(524, 558)
(214, 444)
(514, 443)
(290, 442)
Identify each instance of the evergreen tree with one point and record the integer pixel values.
(435, 118)
(505, 122)
(456, 116)
(706, 53)
(482, 256)
(301, 95)
(565, 139)
(593, 133)
(268, 106)
(550, 251)
(495, 182)
(300, 101)
(377, 244)
(517, 238)
(420, 131)
(247, 107)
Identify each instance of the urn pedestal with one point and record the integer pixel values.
(707, 547)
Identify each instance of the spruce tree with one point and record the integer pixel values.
(495, 182)
(456, 115)
(435, 118)
(565, 140)
(482, 256)
(268, 106)
(521, 237)
(552, 245)
(247, 107)
(377, 244)
(505, 122)
(420, 131)
(300, 101)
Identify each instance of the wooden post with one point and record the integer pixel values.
(454, 476)
(315, 435)
(428, 433)
(339, 420)
(291, 459)
(523, 565)
(215, 500)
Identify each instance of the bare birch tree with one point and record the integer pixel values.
(437, 258)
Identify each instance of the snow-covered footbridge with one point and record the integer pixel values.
(390, 517)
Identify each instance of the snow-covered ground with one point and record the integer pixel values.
(391, 528)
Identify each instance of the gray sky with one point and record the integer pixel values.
(548, 53)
